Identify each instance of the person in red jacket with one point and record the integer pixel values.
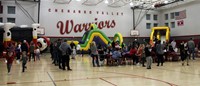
(140, 54)
(133, 52)
(10, 56)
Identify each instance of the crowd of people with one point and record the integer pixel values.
(139, 53)
(60, 53)
(23, 53)
(143, 52)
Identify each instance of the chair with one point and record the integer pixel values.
(102, 59)
(128, 59)
(174, 56)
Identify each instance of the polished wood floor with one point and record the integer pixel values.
(43, 73)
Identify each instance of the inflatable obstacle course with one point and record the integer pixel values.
(93, 33)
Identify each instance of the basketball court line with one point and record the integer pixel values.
(127, 75)
(54, 81)
(171, 84)
(101, 78)
(55, 70)
(108, 81)
(51, 79)
(177, 71)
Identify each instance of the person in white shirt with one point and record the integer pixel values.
(73, 53)
(173, 43)
(78, 48)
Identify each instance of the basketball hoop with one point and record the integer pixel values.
(134, 33)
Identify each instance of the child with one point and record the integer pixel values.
(18, 52)
(10, 56)
(37, 53)
(24, 60)
(73, 53)
(78, 48)
(82, 52)
(9, 60)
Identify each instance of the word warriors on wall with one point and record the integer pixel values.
(69, 25)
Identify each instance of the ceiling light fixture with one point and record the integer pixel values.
(131, 4)
(106, 1)
(166, 2)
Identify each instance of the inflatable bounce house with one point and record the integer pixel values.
(159, 33)
(95, 34)
(42, 42)
(18, 34)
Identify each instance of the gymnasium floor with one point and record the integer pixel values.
(43, 73)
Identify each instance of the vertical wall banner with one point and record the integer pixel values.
(74, 19)
(180, 23)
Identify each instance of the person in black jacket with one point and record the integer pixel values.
(148, 56)
(51, 50)
(59, 53)
(184, 53)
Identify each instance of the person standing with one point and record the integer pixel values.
(191, 48)
(32, 54)
(59, 53)
(173, 43)
(140, 54)
(143, 55)
(18, 52)
(132, 53)
(24, 61)
(186, 53)
(66, 51)
(24, 49)
(94, 54)
(82, 53)
(51, 50)
(55, 53)
(160, 52)
(183, 53)
(73, 53)
(78, 48)
(148, 56)
(73, 46)
(10, 56)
